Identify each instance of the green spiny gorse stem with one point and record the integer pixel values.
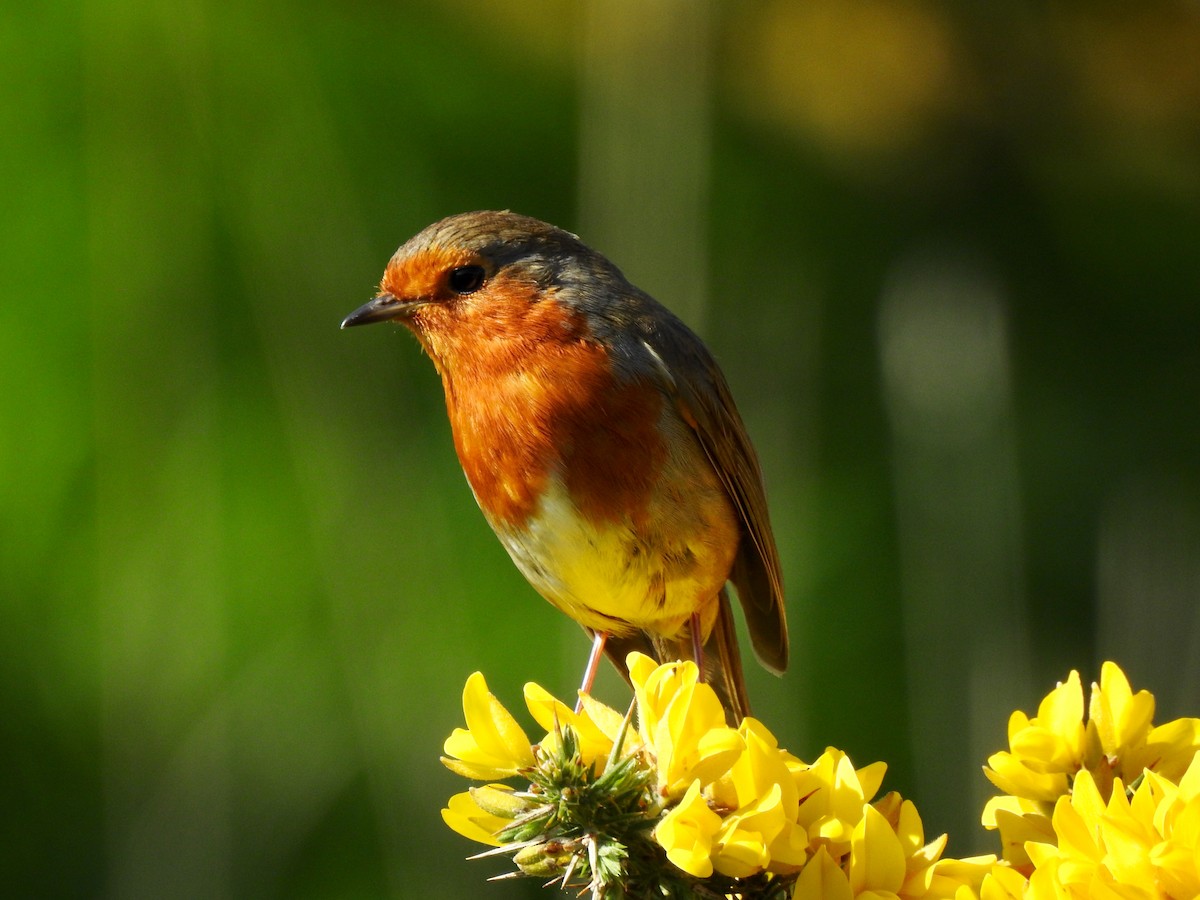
(583, 822)
(578, 829)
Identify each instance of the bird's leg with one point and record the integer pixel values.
(697, 644)
(593, 663)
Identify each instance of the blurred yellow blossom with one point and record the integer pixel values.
(1139, 843)
(1044, 749)
(1122, 739)
(1058, 754)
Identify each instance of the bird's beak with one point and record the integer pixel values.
(378, 308)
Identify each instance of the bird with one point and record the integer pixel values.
(601, 442)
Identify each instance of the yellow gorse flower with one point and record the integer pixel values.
(1122, 738)
(835, 794)
(1097, 802)
(468, 818)
(1044, 750)
(493, 744)
(1050, 753)
(597, 727)
(761, 790)
(775, 810)
(728, 802)
(1139, 843)
(686, 832)
(682, 722)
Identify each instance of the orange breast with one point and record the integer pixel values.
(560, 407)
(596, 486)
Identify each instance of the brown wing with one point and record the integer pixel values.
(705, 403)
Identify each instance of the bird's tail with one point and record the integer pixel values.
(722, 663)
(721, 666)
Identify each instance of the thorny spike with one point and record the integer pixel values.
(505, 849)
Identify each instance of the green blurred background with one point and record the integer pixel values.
(947, 254)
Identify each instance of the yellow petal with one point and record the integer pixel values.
(463, 745)
(1012, 776)
(471, 762)
(1169, 749)
(921, 869)
(1122, 719)
(1005, 802)
(476, 771)
(831, 798)
(547, 710)
(1042, 855)
(740, 853)
(609, 721)
(763, 817)
(848, 798)
(789, 850)
(876, 857)
(1016, 830)
(1177, 856)
(1177, 869)
(552, 714)
(1045, 750)
(640, 666)
(761, 767)
(686, 833)
(492, 726)
(683, 723)
(1076, 820)
(1189, 784)
(717, 751)
(870, 777)
(910, 832)
(1062, 708)
(951, 875)
(822, 879)
(1016, 722)
(661, 693)
(463, 815)
(889, 807)
(1003, 883)
(741, 847)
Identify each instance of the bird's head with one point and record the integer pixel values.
(483, 278)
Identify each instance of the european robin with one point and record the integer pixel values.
(600, 439)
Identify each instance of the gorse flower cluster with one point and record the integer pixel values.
(681, 805)
(1098, 805)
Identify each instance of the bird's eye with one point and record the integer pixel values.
(466, 279)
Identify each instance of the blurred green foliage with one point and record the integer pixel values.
(950, 257)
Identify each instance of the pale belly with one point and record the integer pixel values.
(618, 577)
